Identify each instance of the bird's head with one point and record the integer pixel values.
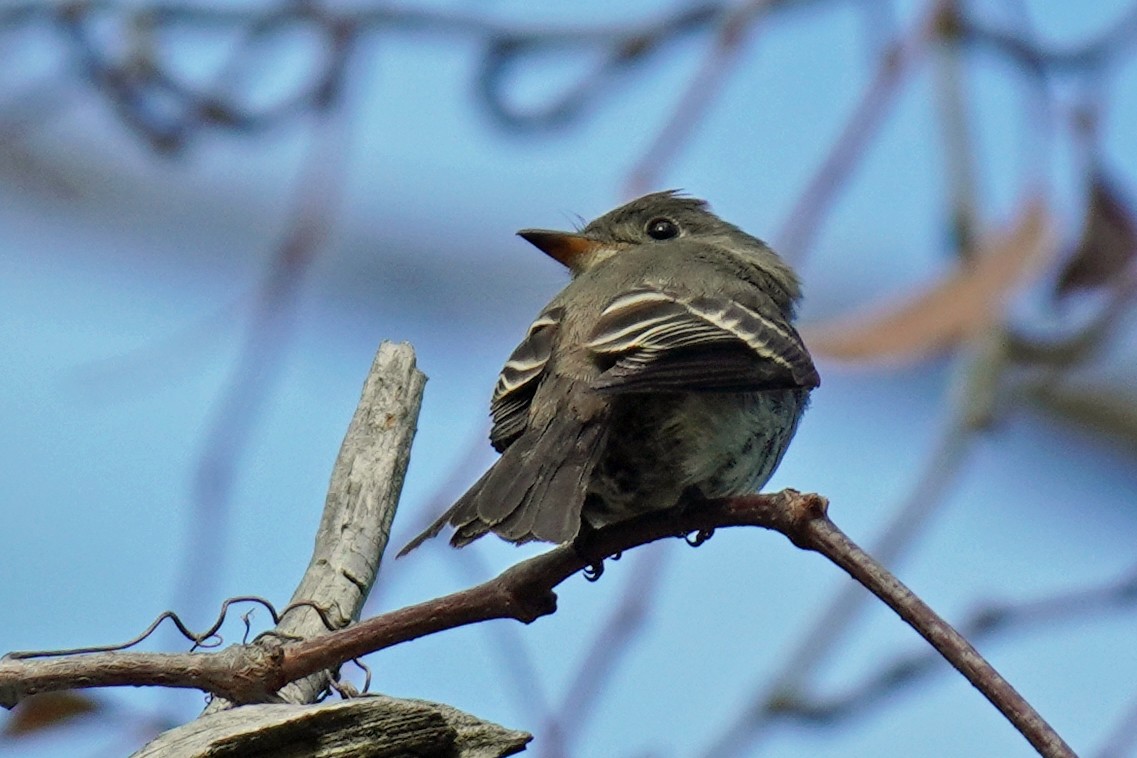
(660, 218)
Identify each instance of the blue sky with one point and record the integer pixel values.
(127, 281)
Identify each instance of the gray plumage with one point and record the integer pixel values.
(667, 369)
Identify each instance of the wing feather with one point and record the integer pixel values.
(654, 339)
(518, 380)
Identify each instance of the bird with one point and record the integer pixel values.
(667, 371)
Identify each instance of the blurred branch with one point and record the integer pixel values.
(620, 49)
(318, 190)
(161, 360)
(22, 111)
(168, 111)
(1090, 57)
(1122, 739)
(1107, 408)
(958, 153)
(514, 656)
(1079, 348)
(253, 673)
(994, 620)
(610, 645)
(805, 217)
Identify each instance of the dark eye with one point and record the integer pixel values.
(662, 228)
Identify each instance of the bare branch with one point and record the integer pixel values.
(365, 487)
(241, 673)
(826, 539)
(525, 592)
(366, 483)
(959, 158)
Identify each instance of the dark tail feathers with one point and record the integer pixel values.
(535, 491)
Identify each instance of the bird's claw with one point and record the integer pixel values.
(595, 571)
(694, 539)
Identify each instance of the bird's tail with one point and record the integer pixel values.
(535, 491)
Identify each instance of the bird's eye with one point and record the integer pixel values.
(662, 228)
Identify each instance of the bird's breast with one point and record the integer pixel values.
(661, 447)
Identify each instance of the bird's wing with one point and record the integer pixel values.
(661, 339)
(518, 380)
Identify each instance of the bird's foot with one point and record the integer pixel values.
(694, 539)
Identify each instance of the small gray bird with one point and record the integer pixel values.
(666, 371)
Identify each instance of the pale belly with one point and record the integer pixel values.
(662, 448)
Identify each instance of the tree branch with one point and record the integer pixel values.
(525, 592)
(825, 538)
(366, 483)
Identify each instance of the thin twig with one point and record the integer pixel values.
(826, 539)
(818, 644)
(990, 621)
(958, 152)
(208, 638)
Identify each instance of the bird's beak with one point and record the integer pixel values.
(564, 247)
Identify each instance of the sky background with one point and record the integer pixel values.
(129, 284)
